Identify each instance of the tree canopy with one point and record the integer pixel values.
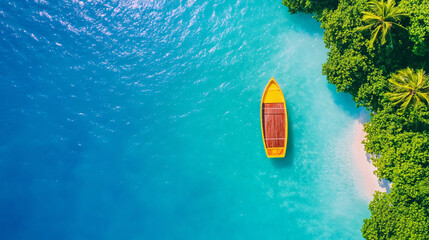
(381, 18)
(390, 82)
(410, 88)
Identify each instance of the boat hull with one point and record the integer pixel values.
(274, 120)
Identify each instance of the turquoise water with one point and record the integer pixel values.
(140, 120)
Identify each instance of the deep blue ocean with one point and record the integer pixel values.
(139, 119)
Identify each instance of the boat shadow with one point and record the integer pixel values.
(286, 161)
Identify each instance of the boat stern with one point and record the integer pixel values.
(276, 152)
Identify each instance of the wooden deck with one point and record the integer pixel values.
(274, 124)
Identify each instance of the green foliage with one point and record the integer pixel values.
(350, 63)
(381, 18)
(340, 25)
(395, 220)
(309, 6)
(397, 139)
(419, 24)
(400, 148)
(370, 93)
(410, 88)
(347, 71)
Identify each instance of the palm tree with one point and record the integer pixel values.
(382, 17)
(410, 87)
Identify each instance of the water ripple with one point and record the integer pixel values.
(152, 105)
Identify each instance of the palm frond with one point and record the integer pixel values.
(424, 96)
(382, 14)
(407, 101)
(399, 25)
(396, 98)
(410, 87)
(364, 27)
(367, 16)
(374, 35)
(385, 28)
(420, 77)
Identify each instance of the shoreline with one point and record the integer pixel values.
(368, 182)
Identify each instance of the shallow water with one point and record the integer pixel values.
(140, 120)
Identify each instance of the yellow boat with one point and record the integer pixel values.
(274, 120)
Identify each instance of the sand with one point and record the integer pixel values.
(367, 180)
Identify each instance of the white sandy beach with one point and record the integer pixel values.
(368, 181)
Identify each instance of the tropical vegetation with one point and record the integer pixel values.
(390, 81)
(410, 88)
(381, 18)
